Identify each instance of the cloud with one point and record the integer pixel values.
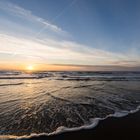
(23, 13)
(59, 52)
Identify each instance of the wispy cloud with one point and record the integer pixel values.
(23, 13)
(60, 52)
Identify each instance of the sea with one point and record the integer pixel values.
(48, 103)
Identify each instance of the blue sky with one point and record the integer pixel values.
(79, 32)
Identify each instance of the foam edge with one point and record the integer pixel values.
(94, 122)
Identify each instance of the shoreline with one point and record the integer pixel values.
(127, 127)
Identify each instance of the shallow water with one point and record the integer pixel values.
(42, 102)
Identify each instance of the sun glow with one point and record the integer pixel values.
(30, 68)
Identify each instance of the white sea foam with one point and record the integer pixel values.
(93, 123)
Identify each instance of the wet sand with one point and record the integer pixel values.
(125, 128)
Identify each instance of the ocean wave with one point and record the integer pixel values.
(99, 78)
(75, 76)
(20, 77)
(93, 123)
(13, 84)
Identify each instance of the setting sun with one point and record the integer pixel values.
(30, 67)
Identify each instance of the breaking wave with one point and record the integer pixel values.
(94, 122)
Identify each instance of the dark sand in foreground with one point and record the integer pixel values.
(125, 128)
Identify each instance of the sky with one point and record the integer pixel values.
(70, 34)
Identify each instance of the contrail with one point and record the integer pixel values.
(57, 17)
(64, 10)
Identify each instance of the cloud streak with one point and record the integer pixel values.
(56, 17)
(60, 52)
(23, 13)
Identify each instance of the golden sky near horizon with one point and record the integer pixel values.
(37, 67)
(32, 67)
